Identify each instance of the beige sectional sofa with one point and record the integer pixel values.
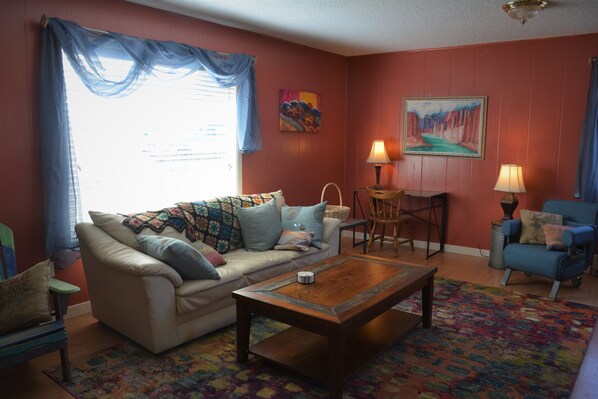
(148, 301)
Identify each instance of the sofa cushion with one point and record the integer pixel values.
(194, 294)
(532, 226)
(113, 224)
(24, 299)
(294, 240)
(179, 255)
(260, 226)
(209, 253)
(305, 218)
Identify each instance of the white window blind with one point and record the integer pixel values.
(171, 140)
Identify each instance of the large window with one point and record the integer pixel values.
(172, 139)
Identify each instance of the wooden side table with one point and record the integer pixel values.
(496, 246)
(353, 224)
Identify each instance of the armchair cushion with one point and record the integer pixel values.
(24, 299)
(535, 259)
(532, 226)
(554, 236)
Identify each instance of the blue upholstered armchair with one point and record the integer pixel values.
(559, 265)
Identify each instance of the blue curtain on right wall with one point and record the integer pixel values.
(586, 180)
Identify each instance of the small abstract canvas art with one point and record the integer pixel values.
(299, 111)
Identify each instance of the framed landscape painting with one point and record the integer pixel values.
(299, 111)
(445, 126)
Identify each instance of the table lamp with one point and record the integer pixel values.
(510, 181)
(378, 156)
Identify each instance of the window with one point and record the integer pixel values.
(173, 139)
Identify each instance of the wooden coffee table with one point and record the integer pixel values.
(340, 321)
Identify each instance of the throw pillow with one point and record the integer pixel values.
(212, 221)
(554, 236)
(209, 253)
(532, 226)
(24, 299)
(279, 200)
(305, 218)
(113, 225)
(294, 240)
(260, 226)
(179, 255)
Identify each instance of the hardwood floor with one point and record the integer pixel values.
(87, 336)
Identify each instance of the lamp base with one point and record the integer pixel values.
(508, 203)
(377, 186)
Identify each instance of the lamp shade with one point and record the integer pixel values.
(510, 179)
(378, 153)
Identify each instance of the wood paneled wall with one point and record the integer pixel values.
(298, 163)
(536, 102)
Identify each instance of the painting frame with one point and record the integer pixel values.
(299, 111)
(445, 126)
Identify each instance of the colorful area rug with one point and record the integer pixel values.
(484, 343)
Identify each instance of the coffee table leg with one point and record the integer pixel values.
(427, 298)
(243, 327)
(336, 366)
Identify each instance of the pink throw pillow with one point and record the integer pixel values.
(554, 236)
(294, 240)
(209, 253)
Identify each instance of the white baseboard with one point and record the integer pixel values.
(78, 310)
(434, 246)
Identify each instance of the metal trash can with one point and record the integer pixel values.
(496, 246)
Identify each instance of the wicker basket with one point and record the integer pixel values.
(335, 211)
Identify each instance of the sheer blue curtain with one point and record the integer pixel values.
(83, 49)
(586, 181)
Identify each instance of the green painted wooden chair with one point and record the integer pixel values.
(27, 343)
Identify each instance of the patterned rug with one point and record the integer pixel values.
(484, 343)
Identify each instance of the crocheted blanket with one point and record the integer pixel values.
(213, 222)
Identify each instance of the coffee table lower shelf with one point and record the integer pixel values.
(307, 353)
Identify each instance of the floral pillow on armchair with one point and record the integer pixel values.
(532, 226)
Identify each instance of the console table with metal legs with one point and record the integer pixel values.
(435, 208)
(353, 224)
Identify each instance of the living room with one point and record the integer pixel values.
(536, 91)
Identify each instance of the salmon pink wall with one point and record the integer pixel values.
(536, 101)
(298, 163)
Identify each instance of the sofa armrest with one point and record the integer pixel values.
(99, 249)
(511, 229)
(578, 236)
(330, 226)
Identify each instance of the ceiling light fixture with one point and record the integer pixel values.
(523, 10)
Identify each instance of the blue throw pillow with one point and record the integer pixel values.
(179, 255)
(305, 218)
(260, 226)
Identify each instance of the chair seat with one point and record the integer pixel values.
(14, 344)
(536, 259)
